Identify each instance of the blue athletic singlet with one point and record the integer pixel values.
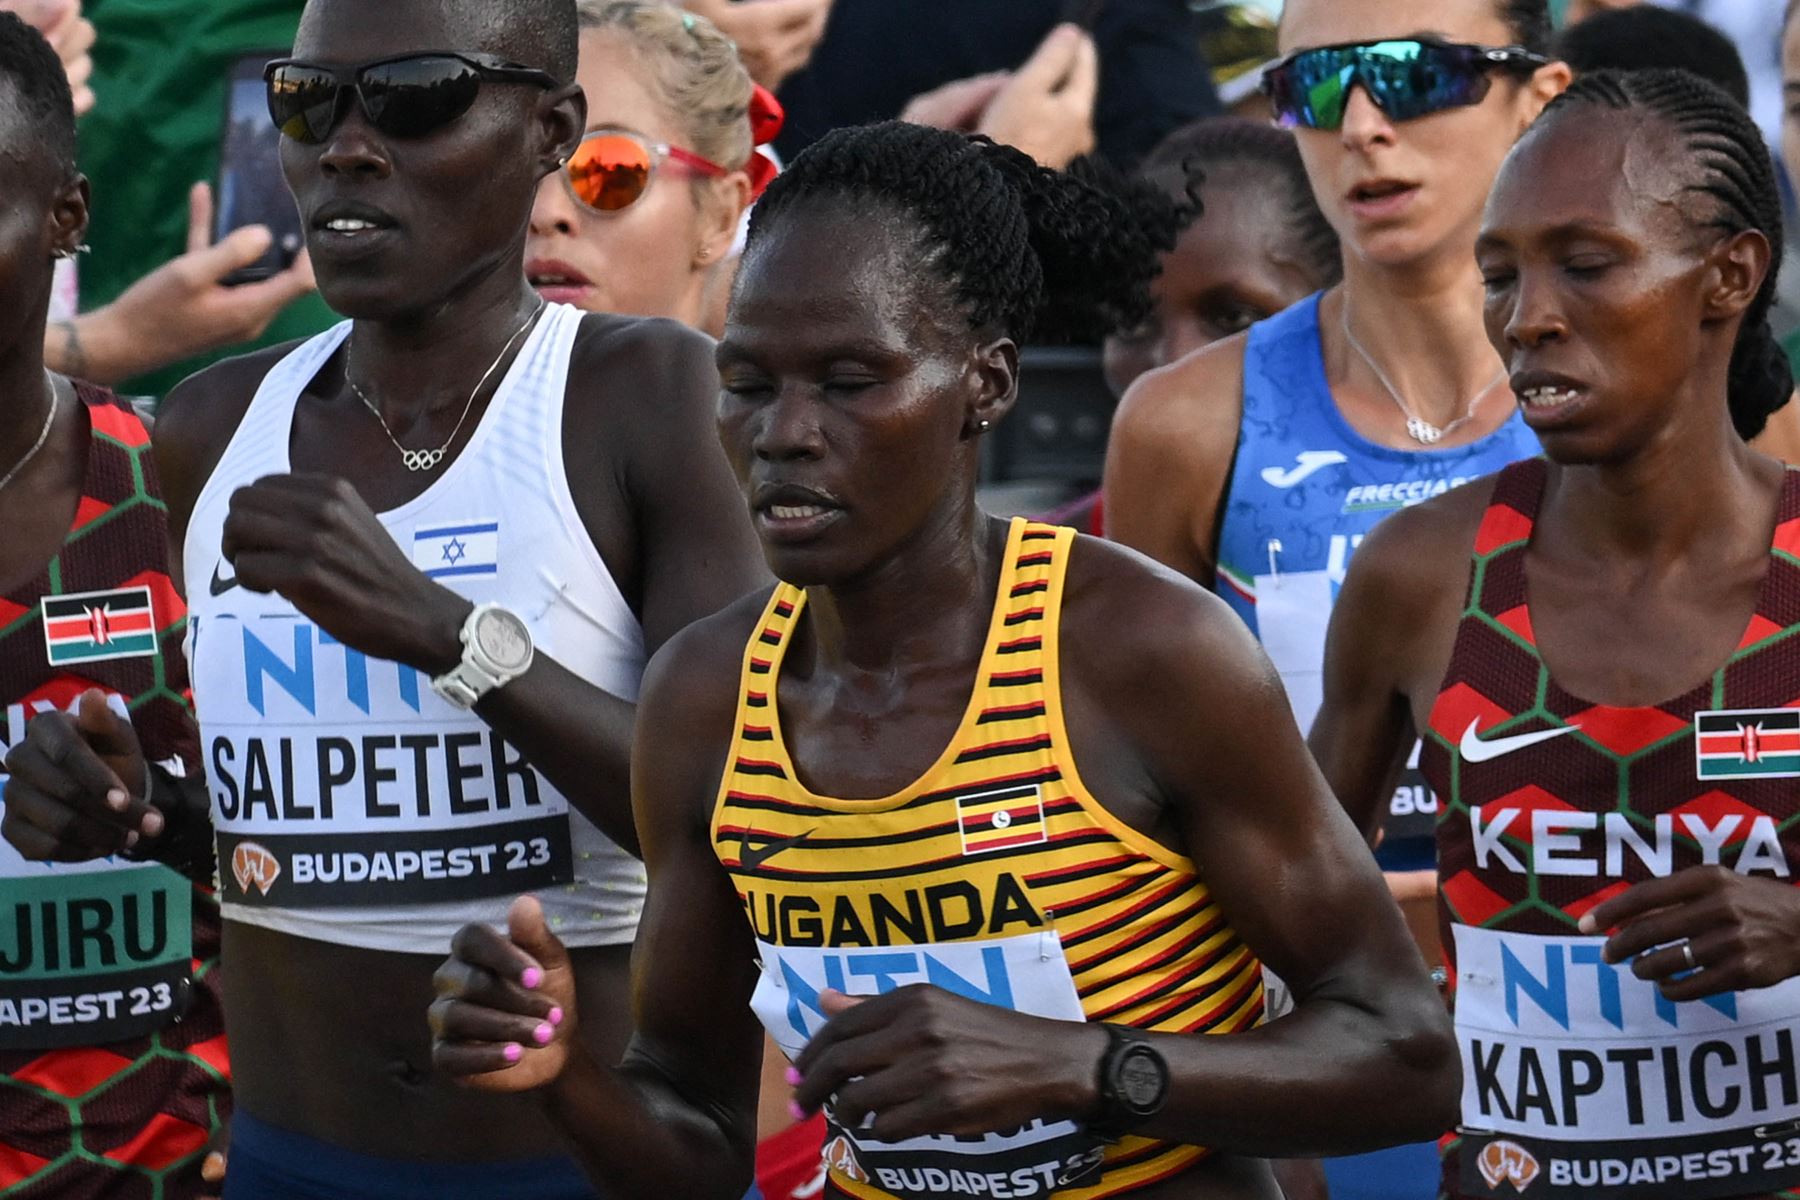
(1306, 488)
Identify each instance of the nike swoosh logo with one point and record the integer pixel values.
(1478, 750)
(751, 857)
(221, 585)
(1309, 462)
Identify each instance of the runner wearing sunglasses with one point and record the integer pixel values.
(1598, 647)
(642, 218)
(341, 508)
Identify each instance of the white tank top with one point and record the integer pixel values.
(354, 805)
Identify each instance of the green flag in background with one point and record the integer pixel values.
(159, 78)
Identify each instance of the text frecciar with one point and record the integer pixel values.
(1596, 844)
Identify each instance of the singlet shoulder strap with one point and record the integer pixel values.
(755, 720)
(1282, 359)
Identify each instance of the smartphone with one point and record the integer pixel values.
(251, 189)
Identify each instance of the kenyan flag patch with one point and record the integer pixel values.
(91, 626)
(1747, 743)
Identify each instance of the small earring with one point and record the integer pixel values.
(983, 425)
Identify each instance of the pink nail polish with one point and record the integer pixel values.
(543, 1033)
(556, 1015)
(795, 1111)
(513, 1052)
(531, 977)
(794, 1076)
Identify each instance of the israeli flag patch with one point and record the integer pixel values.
(460, 551)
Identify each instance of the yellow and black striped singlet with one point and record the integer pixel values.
(995, 874)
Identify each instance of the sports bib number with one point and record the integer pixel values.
(342, 780)
(1026, 973)
(90, 953)
(1581, 1079)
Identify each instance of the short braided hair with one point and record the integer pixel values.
(40, 88)
(1529, 21)
(1731, 171)
(1256, 154)
(1036, 254)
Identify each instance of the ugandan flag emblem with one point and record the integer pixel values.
(1003, 817)
(1747, 743)
(91, 626)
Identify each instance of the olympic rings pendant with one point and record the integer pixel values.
(421, 460)
(1422, 431)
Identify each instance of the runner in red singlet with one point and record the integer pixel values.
(113, 1071)
(1608, 695)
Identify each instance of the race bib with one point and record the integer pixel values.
(342, 780)
(1026, 973)
(90, 953)
(1581, 1079)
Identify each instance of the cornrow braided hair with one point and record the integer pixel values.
(1735, 177)
(1033, 253)
(1214, 145)
(1529, 21)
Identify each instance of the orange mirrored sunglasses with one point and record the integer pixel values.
(613, 167)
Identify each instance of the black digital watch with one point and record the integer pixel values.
(1133, 1083)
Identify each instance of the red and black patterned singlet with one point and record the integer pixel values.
(113, 1068)
(1578, 1077)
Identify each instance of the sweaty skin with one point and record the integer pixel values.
(873, 396)
(326, 1039)
(1656, 519)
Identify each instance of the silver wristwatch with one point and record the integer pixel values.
(497, 649)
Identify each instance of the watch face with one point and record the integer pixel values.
(1141, 1079)
(504, 639)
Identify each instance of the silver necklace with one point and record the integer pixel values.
(42, 437)
(1417, 427)
(425, 460)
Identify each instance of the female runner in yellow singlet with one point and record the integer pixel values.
(986, 822)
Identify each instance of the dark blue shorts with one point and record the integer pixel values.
(267, 1163)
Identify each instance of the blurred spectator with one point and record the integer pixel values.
(160, 69)
(654, 76)
(775, 38)
(1646, 36)
(1754, 26)
(877, 55)
(177, 310)
(1045, 108)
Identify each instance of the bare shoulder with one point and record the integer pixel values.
(1190, 408)
(691, 684)
(1153, 640)
(638, 386)
(196, 420)
(615, 355)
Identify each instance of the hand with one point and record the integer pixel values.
(775, 38)
(922, 1060)
(504, 1018)
(314, 540)
(957, 105)
(1744, 933)
(75, 786)
(70, 34)
(212, 1167)
(183, 308)
(1047, 108)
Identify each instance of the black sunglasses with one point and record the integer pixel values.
(406, 96)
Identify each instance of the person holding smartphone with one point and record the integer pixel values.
(114, 1075)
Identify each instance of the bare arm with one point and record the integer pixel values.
(1388, 645)
(1169, 459)
(684, 1099)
